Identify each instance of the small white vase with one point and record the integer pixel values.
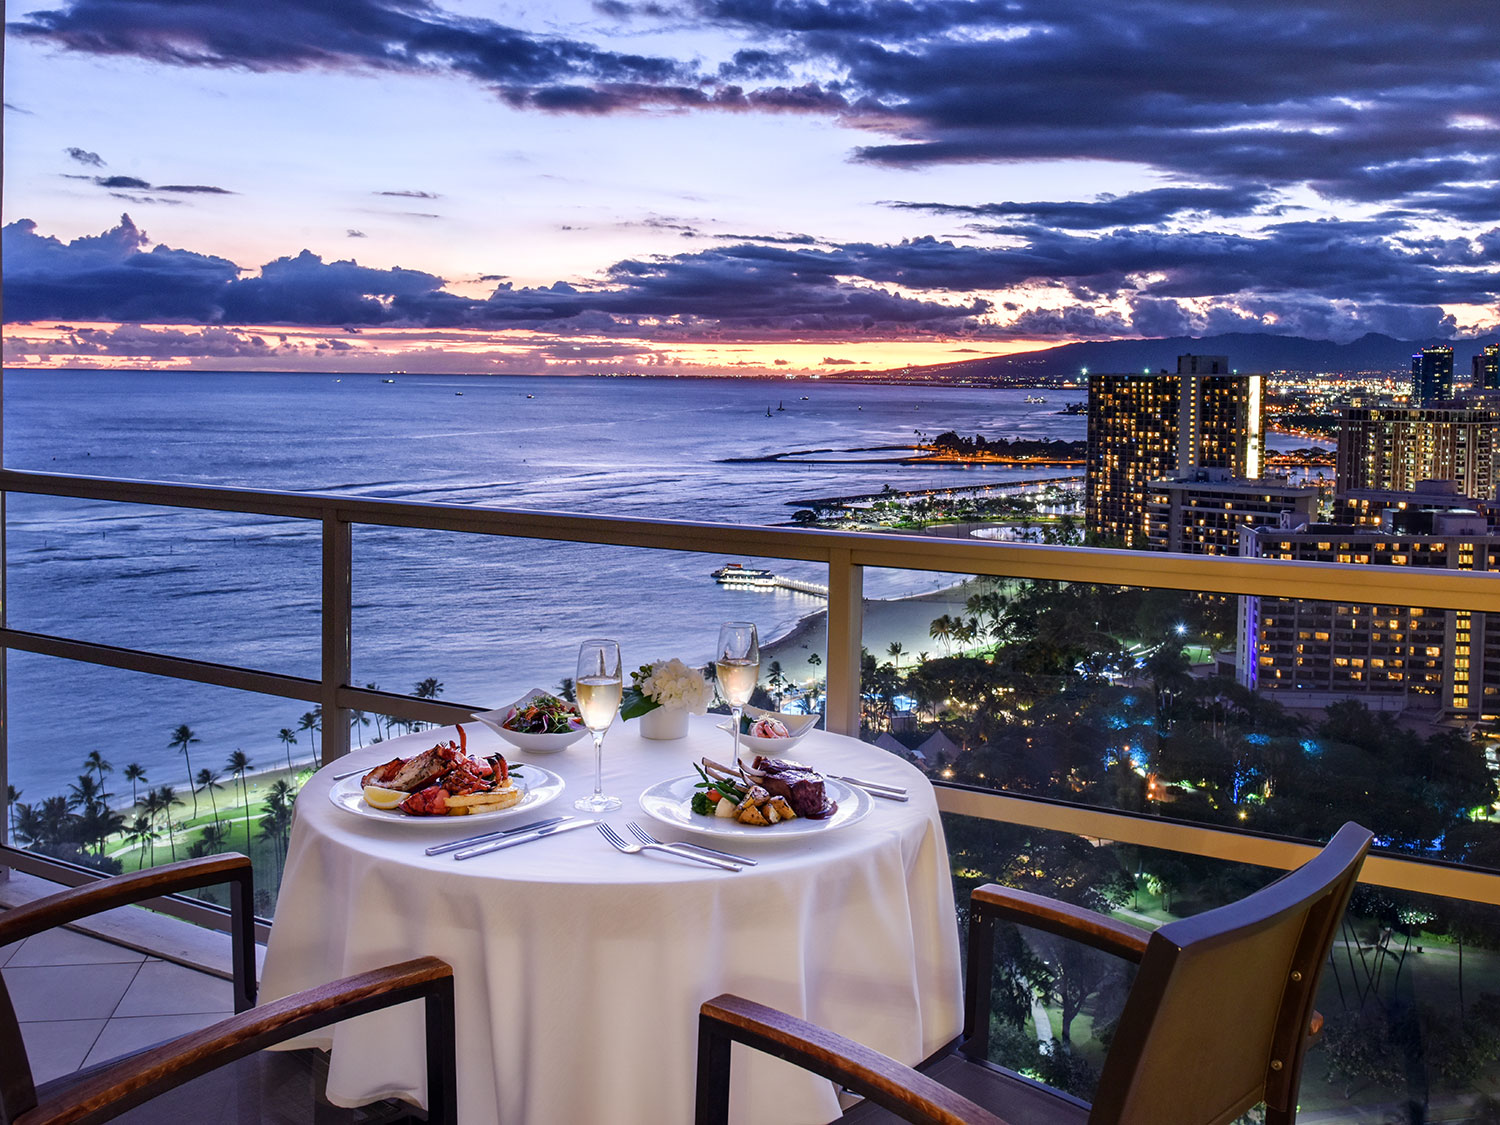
(664, 723)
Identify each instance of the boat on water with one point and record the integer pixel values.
(804, 398)
(768, 412)
(736, 574)
(1036, 398)
(387, 380)
(781, 406)
(1075, 408)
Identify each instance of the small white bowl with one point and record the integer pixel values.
(750, 745)
(531, 743)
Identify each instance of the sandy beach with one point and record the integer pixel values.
(907, 620)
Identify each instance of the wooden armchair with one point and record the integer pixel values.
(114, 1088)
(1218, 1019)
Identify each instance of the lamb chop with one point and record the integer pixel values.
(801, 785)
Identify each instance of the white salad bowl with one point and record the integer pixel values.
(531, 743)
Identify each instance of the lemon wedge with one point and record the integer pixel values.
(378, 797)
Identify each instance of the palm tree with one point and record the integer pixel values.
(238, 763)
(357, 720)
(84, 793)
(135, 772)
(277, 820)
(141, 833)
(11, 797)
(288, 738)
(28, 824)
(166, 797)
(312, 722)
(894, 651)
(208, 779)
(182, 738)
(95, 761)
(942, 630)
(379, 736)
(429, 688)
(776, 680)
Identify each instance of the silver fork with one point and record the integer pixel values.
(624, 845)
(646, 838)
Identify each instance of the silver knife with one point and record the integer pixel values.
(686, 846)
(524, 838)
(454, 845)
(874, 788)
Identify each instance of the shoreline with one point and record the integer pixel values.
(886, 620)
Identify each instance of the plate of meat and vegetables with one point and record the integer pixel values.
(769, 799)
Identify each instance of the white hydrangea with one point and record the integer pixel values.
(673, 684)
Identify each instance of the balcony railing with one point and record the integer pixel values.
(846, 555)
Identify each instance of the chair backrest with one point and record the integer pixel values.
(1219, 1014)
(17, 1086)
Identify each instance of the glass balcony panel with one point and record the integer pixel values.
(219, 586)
(1167, 703)
(491, 618)
(1410, 996)
(88, 783)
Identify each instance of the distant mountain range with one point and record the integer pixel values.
(1247, 351)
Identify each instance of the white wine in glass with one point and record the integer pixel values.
(736, 670)
(597, 688)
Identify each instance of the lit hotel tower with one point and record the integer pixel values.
(1487, 369)
(1432, 375)
(1143, 428)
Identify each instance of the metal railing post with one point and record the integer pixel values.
(338, 614)
(846, 584)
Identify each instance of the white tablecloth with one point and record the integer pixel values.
(579, 970)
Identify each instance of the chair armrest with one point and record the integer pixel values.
(70, 905)
(1061, 918)
(139, 1078)
(905, 1092)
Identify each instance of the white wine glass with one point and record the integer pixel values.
(736, 670)
(597, 689)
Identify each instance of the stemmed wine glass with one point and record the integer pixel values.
(736, 670)
(597, 689)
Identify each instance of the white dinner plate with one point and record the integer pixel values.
(541, 786)
(668, 802)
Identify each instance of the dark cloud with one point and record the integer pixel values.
(261, 35)
(1140, 208)
(409, 194)
(108, 277)
(352, 233)
(1323, 279)
(118, 185)
(193, 189)
(84, 156)
(1393, 103)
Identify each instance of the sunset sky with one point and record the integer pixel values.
(737, 185)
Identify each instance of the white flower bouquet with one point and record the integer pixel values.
(666, 683)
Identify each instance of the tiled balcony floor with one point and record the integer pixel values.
(81, 1000)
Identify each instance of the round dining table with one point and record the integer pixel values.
(579, 969)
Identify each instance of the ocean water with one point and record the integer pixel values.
(488, 618)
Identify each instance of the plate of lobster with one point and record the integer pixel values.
(444, 782)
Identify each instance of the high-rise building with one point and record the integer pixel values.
(1388, 656)
(1394, 449)
(1201, 512)
(1487, 369)
(1432, 375)
(1145, 428)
